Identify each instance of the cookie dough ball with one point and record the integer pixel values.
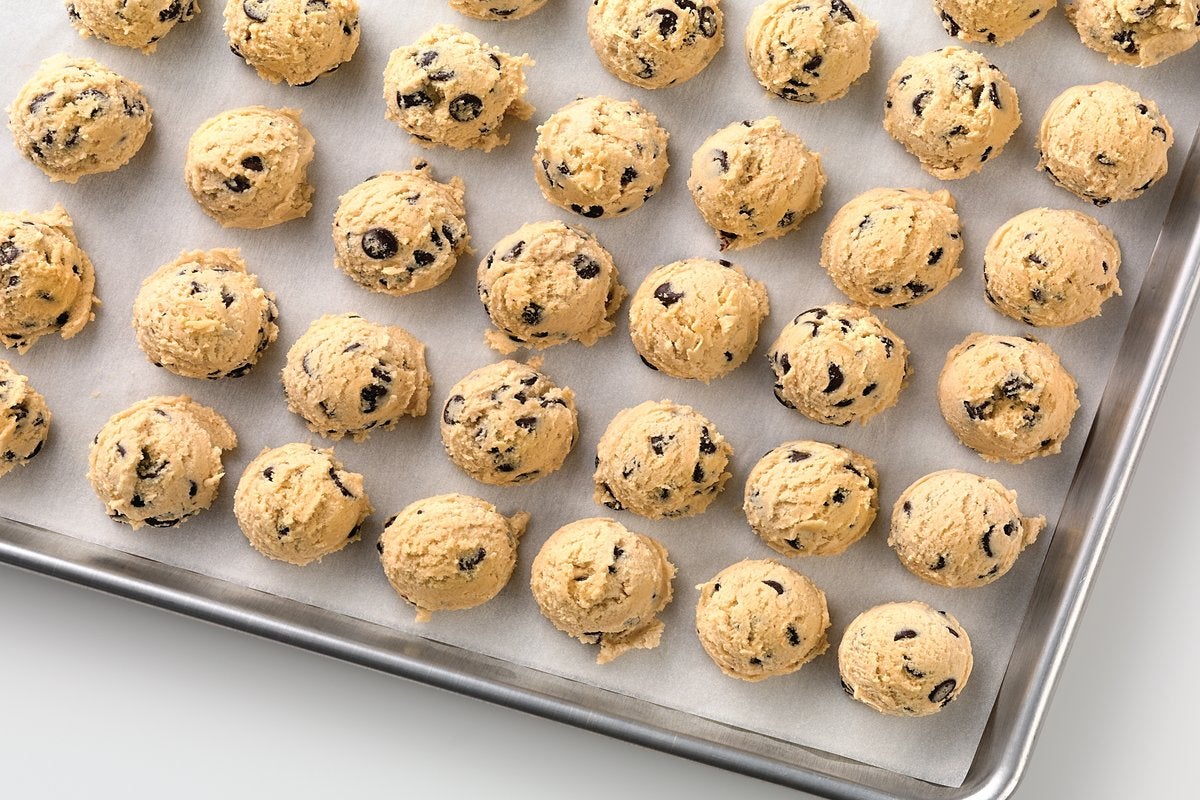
(809, 52)
(158, 462)
(952, 110)
(130, 23)
(1104, 142)
(905, 659)
(546, 284)
(893, 247)
(76, 117)
(600, 157)
(347, 376)
(450, 552)
(1051, 268)
(1006, 397)
(955, 529)
(204, 316)
(24, 420)
(46, 280)
(1135, 31)
(450, 88)
(295, 41)
(837, 364)
(811, 499)
(661, 460)
(507, 423)
(603, 584)
(758, 619)
(697, 318)
(247, 167)
(496, 9)
(993, 21)
(401, 232)
(297, 504)
(754, 181)
(655, 43)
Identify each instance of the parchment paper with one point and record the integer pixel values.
(140, 217)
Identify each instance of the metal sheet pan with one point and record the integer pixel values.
(1120, 426)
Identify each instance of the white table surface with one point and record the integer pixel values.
(100, 697)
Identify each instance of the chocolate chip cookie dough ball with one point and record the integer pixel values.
(993, 21)
(292, 41)
(656, 43)
(956, 529)
(401, 232)
(130, 23)
(697, 318)
(546, 284)
(1051, 268)
(450, 88)
(450, 552)
(507, 423)
(204, 316)
(46, 280)
(905, 659)
(952, 110)
(660, 460)
(158, 462)
(754, 181)
(1104, 142)
(600, 157)
(297, 504)
(347, 376)
(76, 117)
(247, 167)
(809, 52)
(893, 247)
(24, 420)
(811, 499)
(837, 364)
(758, 619)
(1007, 398)
(603, 584)
(1138, 32)
(496, 9)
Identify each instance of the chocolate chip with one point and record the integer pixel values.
(647, 363)
(453, 408)
(951, 26)
(918, 103)
(986, 542)
(708, 22)
(469, 562)
(147, 468)
(226, 298)
(9, 253)
(836, 379)
(658, 444)
(137, 502)
(465, 107)
(1010, 527)
(888, 344)
(237, 184)
(369, 397)
(590, 212)
(957, 130)
(1125, 42)
(994, 95)
(776, 585)
(916, 288)
(423, 258)
(796, 456)
(698, 474)
(441, 76)
(668, 21)
(414, 100)
(531, 314)
(722, 159)
(907, 508)
(667, 295)
(978, 411)
(941, 693)
(839, 7)
(941, 564)
(706, 444)
(728, 356)
(337, 481)
(380, 243)
(252, 163)
(170, 12)
(628, 176)
(870, 387)
(906, 633)
(257, 10)
(976, 95)
(527, 423)
(1160, 132)
(953, 632)
(847, 688)
(935, 256)
(785, 363)
(514, 252)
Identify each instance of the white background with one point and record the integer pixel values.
(104, 698)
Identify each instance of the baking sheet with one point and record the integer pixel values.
(135, 219)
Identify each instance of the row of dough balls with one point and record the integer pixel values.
(204, 316)
(159, 462)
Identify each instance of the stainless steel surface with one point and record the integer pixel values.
(1132, 393)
